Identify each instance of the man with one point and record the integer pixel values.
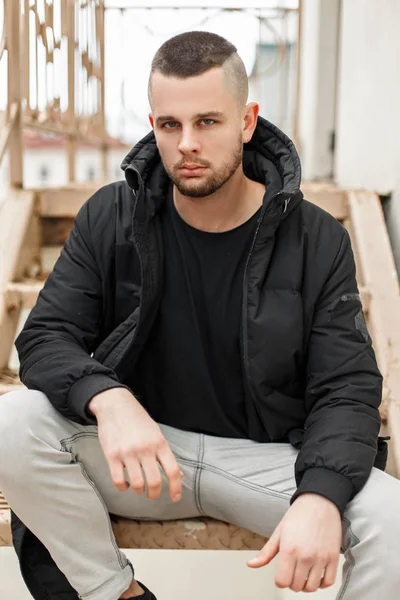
(205, 319)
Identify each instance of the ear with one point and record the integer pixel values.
(251, 111)
(151, 119)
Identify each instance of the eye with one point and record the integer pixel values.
(209, 121)
(169, 125)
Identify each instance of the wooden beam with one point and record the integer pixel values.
(70, 8)
(56, 230)
(49, 257)
(15, 217)
(15, 142)
(65, 201)
(29, 261)
(380, 277)
(327, 196)
(23, 294)
(8, 326)
(365, 296)
(6, 129)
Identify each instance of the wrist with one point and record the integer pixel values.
(109, 398)
(317, 500)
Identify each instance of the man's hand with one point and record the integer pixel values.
(308, 540)
(130, 438)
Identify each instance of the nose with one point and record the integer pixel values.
(188, 144)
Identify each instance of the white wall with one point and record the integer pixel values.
(318, 63)
(368, 127)
(55, 161)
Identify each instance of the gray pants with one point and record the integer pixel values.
(55, 477)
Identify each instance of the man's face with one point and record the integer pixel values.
(197, 123)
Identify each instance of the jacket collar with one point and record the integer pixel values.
(270, 157)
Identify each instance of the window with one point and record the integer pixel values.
(44, 173)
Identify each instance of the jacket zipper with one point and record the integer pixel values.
(120, 357)
(248, 388)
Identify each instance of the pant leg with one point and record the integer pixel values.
(55, 477)
(371, 541)
(250, 485)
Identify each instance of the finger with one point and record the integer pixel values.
(267, 553)
(117, 474)
(152, 474)
(285, 568)
(330, 574)
(301, 573)
(135, 474)
(172, 470)
(314, 578)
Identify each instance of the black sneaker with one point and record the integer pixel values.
(147, 595)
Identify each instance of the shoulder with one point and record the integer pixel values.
(107, 197)
(97, 216)
(324, 232)
(319, 221)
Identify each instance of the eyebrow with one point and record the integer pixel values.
(211, 113)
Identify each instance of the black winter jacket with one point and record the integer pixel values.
(309, 369)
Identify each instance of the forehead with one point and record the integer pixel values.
(192, 95)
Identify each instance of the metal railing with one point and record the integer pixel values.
(54, 54)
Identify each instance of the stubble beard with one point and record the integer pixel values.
(206, 186)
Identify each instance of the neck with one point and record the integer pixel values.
(230, 206)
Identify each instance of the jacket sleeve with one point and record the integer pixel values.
(62, 330)
(344, 390)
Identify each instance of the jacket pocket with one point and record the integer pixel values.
(113, 347)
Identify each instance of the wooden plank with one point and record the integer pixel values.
(15, 216)
(6, 129)
(327, 196)
(29, 260)
(71, 112)
(13, 360)
(55, 230)
(15, 142)
(23, 294)
(5, 527)
(365, 296)
(359, 274)
(65, 201)
(8, 327)
(380, 277)
(49, 257)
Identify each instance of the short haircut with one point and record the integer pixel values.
(195, 52)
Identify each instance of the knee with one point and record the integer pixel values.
(21, 413)
(377, 504)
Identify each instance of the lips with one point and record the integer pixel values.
(192, 170)
(192, 166)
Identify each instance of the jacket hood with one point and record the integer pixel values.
(270, 158)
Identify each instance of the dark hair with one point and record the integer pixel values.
(195, 52)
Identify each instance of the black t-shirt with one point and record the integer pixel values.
(189, 374)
